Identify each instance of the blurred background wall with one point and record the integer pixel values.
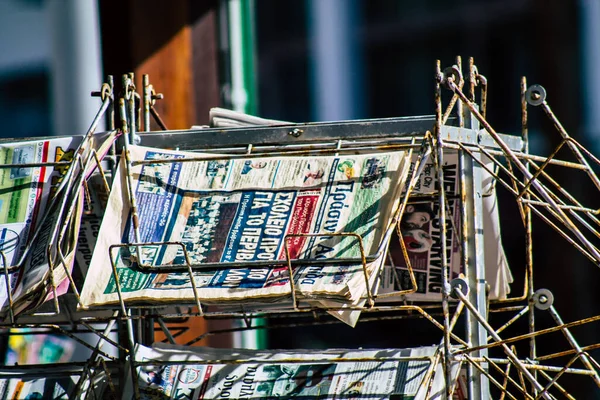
(49, 64)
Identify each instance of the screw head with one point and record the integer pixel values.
(296, 132)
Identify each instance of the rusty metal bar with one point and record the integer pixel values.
(515, 360)
(564, 218)
(584, 358)
(532, 334)
(438, 159)
(558, 375)
(505, 383)
(489, 376)
(575, 149)
(471, 175)
(165, 330)
(494, 363)
(511, 321)
(567, 352)
(556, 385)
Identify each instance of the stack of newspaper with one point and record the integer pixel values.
(237, 220)
(41, 205)
(60, 383)
(421, 228)
(178, 372)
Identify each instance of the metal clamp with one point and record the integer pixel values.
(459, 284)
(535, 95)
(543, 299)
(451, 74)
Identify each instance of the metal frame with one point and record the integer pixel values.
(461, 127)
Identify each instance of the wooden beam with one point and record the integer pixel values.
(175, 43)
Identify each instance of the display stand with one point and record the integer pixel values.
(459, 128)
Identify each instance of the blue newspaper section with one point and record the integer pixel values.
(259, 226)
(257, 234)
(157, 197)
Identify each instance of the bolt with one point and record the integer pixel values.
(536, 95)
(296, 132)
(543, 299)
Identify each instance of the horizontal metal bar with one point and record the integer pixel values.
(249, 360)
(294, 133)
(538, 367)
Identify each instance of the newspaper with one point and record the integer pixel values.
(224, 118)
(26, 192)
(324, 374)
(29, 220)
(420, 227)
(40, 383)
(241, 211)
(90, 222)
(395, 276)
(53, 249)
(36, 388)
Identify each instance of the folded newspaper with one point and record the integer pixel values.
(425, 263)
(420, 226)
(242, 211)
(37, 388)
(179, 372)
(40, 383)
(32, 228)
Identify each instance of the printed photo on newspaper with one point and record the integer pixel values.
(420, 227)
(259, 374)
(240, 211)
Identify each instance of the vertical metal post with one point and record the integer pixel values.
(528, 228)
(471, 193)
(146, 99)
(443, 233)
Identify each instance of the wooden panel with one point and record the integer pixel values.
(175, 43)
(170, 72)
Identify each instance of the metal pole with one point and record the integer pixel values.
(439, 159)
(472, 175)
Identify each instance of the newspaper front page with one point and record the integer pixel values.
(241, 210)
(41, 384)
(53, 249)
(420, 227)
(260, 374)
(25, 193)
(27, 221)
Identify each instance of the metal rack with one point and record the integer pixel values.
(492, 363)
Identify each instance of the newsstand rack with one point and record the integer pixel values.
(491, 363)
